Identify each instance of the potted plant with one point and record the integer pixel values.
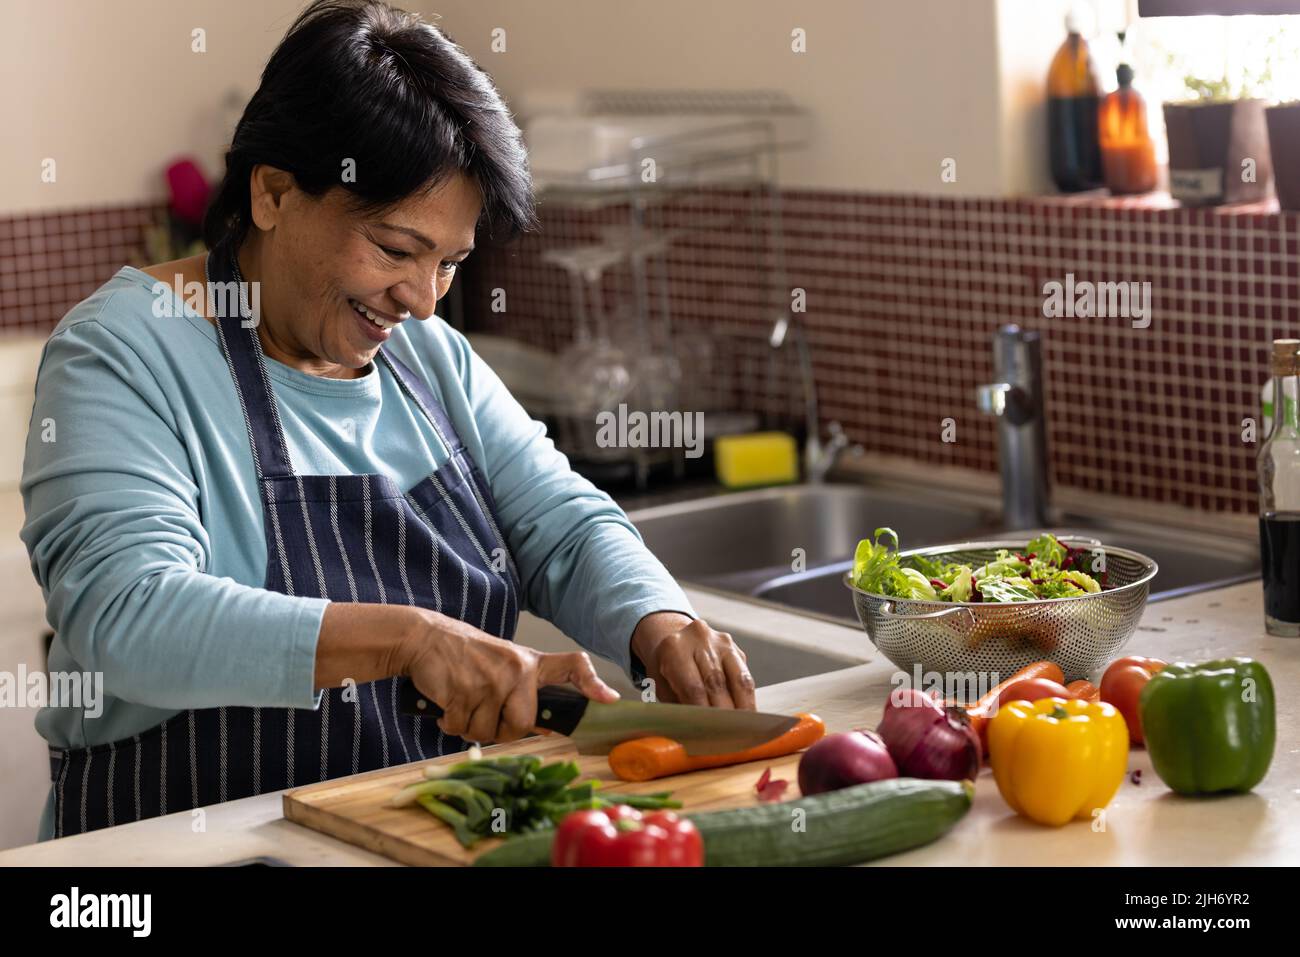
(1218, 142)
(1284, 146)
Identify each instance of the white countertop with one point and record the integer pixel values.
(1145, 824)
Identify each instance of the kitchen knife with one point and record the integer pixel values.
(596, 727)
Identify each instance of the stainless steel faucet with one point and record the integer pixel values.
(1016, 398)
(818, 457)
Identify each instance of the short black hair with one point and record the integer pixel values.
(360, 80)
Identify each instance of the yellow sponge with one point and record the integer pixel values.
(760, 458)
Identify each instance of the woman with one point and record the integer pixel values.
(257, 515)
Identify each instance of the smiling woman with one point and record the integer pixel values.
(358, 175)
(261, 516)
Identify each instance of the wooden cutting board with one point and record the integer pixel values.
(355, 809)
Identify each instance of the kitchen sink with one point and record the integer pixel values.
(744, 543)
(739, 542)
(773, 662)
(1188, 562)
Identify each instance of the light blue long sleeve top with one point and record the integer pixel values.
(144, 524)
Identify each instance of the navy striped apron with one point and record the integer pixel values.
(354, 538)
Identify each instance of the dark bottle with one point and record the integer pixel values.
(1279, 499)
(1073, 97)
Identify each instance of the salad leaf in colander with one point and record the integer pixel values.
(876, 569)
(1007, 589)
(961, 587)
(1046, 569)
(1046, 549)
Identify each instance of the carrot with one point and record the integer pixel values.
(980, 712)
(1084, 689)
(645, 759)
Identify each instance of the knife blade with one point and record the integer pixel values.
(596, 726)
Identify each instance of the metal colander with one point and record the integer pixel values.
(1080, 634)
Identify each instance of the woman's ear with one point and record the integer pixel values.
(267, 188)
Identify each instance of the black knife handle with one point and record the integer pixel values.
(559, 709)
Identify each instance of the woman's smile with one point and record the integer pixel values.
(376, 325)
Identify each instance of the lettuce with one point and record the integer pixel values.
(1047, 549)
(1006, 565)
(878, 569)
(875, 567)
(1007, 589)
(961, 587)
(929, 567)
(919, 586)
(1083, 580)
(1060, 588)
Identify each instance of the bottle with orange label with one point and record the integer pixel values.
(1128, 154)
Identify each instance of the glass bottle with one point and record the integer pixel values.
(1128, 154)
(1279, 499)
(1072, 102)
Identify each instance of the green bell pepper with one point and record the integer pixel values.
(1210, 727)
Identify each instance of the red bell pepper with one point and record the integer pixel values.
(622, 836)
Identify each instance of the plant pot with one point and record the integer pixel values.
(1284, 145)
(1208, 143)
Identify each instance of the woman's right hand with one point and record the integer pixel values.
(487, 687)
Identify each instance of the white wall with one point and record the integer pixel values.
(1022, 78)
(896, 85)
(112, 90)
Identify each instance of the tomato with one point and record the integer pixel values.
(1085, 690)
(1031, 689)
(1123, 682)
(1026, 689)
(1152, 664)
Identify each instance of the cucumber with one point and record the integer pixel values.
(522, 850)
(850, 826)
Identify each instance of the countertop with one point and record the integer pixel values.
(1146, 824)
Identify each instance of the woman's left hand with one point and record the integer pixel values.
(690, 663)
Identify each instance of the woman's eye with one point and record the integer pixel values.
(393, 253)
(449, 266)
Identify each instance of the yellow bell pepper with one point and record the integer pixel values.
(1058, 759)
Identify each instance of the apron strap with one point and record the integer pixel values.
(243, 352)
(418, 389)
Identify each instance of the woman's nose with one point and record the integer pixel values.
(420, 297)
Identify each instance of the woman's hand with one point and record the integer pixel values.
(486, 687)
(691, 663)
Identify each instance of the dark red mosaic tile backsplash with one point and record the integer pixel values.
(902, 296)
(51, 261)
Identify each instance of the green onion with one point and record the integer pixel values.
(516, 790)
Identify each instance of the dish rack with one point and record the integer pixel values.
(648, 163)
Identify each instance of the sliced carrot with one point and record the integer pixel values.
(980, 712)
(1084, 689)
(645, 759)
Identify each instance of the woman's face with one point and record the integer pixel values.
(329, 272)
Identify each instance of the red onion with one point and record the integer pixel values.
(927, 740)
(842, 760)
